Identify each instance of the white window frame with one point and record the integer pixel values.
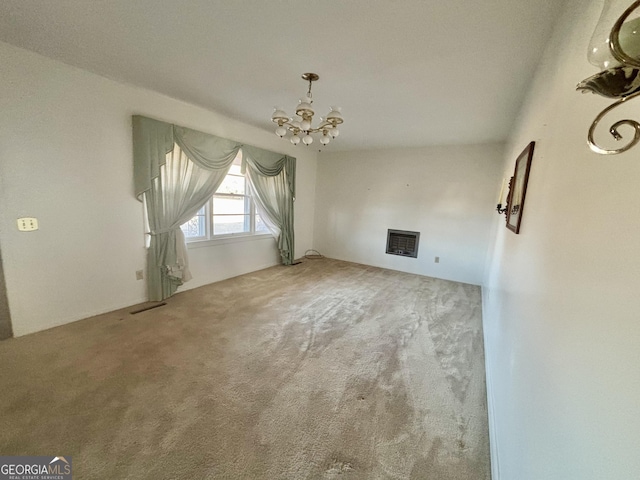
(209, 235)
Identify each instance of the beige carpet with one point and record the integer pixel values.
(324, 370)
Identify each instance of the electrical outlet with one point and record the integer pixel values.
(139, 274)
(27, 224)
(437, 260)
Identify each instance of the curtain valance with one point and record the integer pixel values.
(153, 139)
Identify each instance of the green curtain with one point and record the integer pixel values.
(205, 150)
(152, 140)
(175, 196)
(271, 181)
(176, 171)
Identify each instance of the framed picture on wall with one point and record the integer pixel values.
(518, 189)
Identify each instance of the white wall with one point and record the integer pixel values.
(66, 158)
(445, 193)
(562, 299)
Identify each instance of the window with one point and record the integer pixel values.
(230, 212)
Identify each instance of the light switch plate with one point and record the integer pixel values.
(27, 224)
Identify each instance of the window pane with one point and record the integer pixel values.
(235, 168)
(225, 224)
(232, 184)
(230, 205)
(260, 226)
(196, 227)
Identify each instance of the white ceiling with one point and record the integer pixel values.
(406, 72)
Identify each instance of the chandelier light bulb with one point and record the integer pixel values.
(295, 139)
(334, 132)
(325, 139)
(305, 125)
(307, 140)
(281, 131)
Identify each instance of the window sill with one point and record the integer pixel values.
(227, 239)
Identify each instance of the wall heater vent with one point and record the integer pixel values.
(402, 242)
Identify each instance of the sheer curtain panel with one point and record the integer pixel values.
(175, 196)
(271, 179)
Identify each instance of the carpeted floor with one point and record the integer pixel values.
(324, 370)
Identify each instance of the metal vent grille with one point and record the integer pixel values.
(402, 242)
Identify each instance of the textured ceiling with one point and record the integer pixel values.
(406, 72)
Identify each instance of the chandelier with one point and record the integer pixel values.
(302, 128)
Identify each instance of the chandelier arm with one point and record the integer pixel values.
(614, 129)
(310, 130)
(614, 39)
(317, 129)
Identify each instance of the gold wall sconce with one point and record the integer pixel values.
(503, 202)
(615, 49)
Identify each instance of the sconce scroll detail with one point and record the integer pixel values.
(613, 130)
